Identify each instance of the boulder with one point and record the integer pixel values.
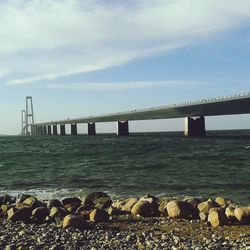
(163, 207)
(97, 200)
(206, 205)
(98, 215)
(74, 221)
(22, 197)
(242, 214)
(230, 213)
(32, 202)
(217, 217)
(126, 204)
(7, 200)
(22, 214)
(71, 201)
(203, 216)
(144, 209)
(179, 209)
(58, 212)
(221, 201)
(194, 202)
(40, 213)
(54, 203)
(4, 209)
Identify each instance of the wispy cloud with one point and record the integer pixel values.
(124, 85)
(44, 40)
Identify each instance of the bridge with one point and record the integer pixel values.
(194, 113)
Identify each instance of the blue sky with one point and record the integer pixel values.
(79, 58)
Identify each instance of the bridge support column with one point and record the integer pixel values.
(45, 130)
(49, 129)
(73, 129)
(32, 130)
(195, 126)
(91, 129)
(122, 128)
(36, 130)
(62, 129)
(54, 129)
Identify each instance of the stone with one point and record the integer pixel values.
(31, 201)
(22, 197)
(194, 202)
(142, 208)
(22, 214)
(217, 217)
(71, 201)
(54, 203)
(74, 221)
(221, 201)
(179, 209)
(126, 204)
(6, 200)
(230, 213)
(163, 208)
(40, 213)
(203, 216)
(102, 202)
(58, 211)
(4, 209)
(206, 205)
(98, 215)
(242, 214)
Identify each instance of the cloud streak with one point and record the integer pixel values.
(45, 40)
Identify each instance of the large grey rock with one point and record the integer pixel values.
(206, 206)
(179, 209)
(74, 221)
(40, 213)
(217, 217)
(242, 214)
(71, 201)
(98, 215)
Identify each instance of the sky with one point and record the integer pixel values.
(88, 57)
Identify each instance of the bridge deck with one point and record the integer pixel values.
(239, 104)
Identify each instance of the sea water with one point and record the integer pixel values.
(163, 164)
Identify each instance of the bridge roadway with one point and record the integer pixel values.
(194, 112)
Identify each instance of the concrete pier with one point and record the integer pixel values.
(195, 126)
(73, 129)
(49, 130)
(122, 128)
(45, 130)
(91, 129)
(55, 130)
(62, 129)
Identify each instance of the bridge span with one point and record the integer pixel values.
(194, 113)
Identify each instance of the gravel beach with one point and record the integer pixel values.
(87, 224)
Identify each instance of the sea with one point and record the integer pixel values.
(162, 164)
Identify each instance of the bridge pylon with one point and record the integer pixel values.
(29, 115)
(23, 122)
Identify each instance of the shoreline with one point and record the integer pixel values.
(97, 222)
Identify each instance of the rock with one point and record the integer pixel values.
(221, 201)
(230, 213)
(102, 202)
(126, 204)
(98, 215)
(179, 209)
(4, 209)
(58, 212)
(203, 216)
(242, 214)
(71, 201)
(143, 208)
(206, 205)
(71, 208)
(114, 211)
(54, 203)
(217, 217)
(21, 198)
(163, 208)
(22, 214)
(40, 213)
(32, 202)
(194, 202)
(74, 221)
(96, 195)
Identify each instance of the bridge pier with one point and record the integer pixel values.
(55, 130)
(62, 129)
(45, 130)
(91, 129)
(195, 126)
(49, 129)
(74, 129)
(122, 128)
